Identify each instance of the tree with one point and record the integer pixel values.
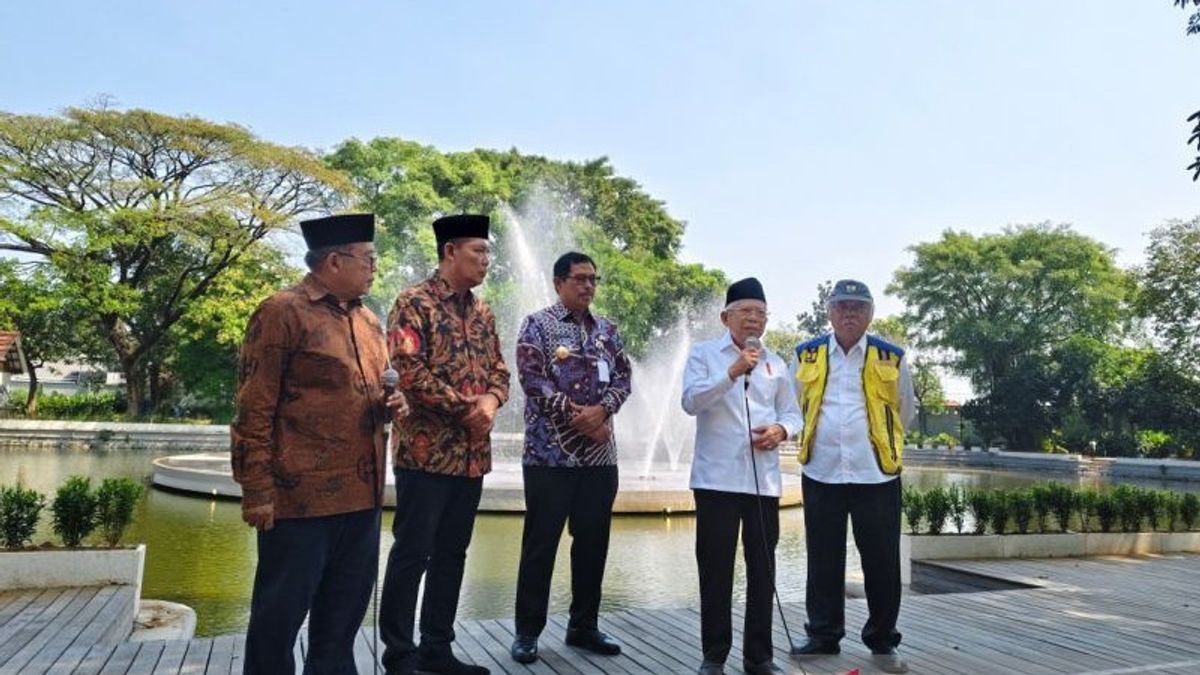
(49, 319)
(997, 303)
(633, 239)
(815, 321)
(927, 384)
(783, 340)
(137, 214)
(1193, 28)
(202, 350)
(1169, 291)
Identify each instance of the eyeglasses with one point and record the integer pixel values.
(585, 279)
(751, 312)
(371, 260)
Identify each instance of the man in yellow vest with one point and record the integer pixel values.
(856, 395)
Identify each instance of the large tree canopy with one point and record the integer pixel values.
(1170, 287)
(998, 303)
(137, 214)
(632, 237)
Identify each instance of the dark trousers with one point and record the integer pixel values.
(324, 567)
(435, 515)
(874, 509)
(719, 516)
(582, 498)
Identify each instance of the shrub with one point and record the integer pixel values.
(74, 510)
(979, 503)
(1189, 510)
(1129, 507)
(1168, 504)
(1040, 495)
(1085, 505)
(114, 507)
(958, 507)
(88, 405)
(1148, 508)
(914, 507)
(942, 439)
(937, 508)
(999, 511)
(19, 511)
(1061, 501)
(1020, 503)
(1107, 510)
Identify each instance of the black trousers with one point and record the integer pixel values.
(582, 498)
(435, 515)
(324, 567)
(874, 509)
(719, 516)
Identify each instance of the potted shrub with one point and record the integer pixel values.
(76, 512)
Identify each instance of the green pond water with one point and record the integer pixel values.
(199, 553)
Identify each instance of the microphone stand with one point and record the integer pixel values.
(761, 518)
(389, 381)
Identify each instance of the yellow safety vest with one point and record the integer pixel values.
(881, 386)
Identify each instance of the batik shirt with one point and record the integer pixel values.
(561, 361)
(308, 437)
(444, 346)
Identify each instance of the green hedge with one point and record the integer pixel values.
(1049, 507)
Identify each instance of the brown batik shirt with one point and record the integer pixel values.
(444, 346)
(308, 436)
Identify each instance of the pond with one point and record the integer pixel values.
(199, 553)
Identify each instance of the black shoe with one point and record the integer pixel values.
(447, 665)
(524, 649)
(765, 668)
(710, 668)
(813, 647)
(593, 641)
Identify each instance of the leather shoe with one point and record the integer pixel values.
(593, 641)
(447, 665)
(764, 668)
(889, 661)
(813, 647)
(524, 649)
(710, 668)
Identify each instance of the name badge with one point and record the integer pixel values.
(602, 370)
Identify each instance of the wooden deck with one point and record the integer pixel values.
(1101, 616)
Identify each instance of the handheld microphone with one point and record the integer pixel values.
(389, 380)
(757, 345)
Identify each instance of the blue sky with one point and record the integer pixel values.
(801, 141)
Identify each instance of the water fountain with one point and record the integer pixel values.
(654, 436)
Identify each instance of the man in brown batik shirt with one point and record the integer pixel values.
(308, 451)
(443, 343)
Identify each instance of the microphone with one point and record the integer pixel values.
(756, 344)
(389, 380)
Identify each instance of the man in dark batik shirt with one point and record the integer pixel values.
(443, 344)
(575, 376)
(308, 452)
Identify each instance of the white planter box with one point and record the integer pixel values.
(1055, 545)
(73, 567)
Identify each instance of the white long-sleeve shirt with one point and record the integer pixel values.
(721, 460)
(842, 451)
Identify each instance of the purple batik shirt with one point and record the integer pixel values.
(561, 360)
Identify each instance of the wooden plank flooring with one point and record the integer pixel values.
(1094, 616)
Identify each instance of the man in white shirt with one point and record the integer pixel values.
(856, 395)
(744, 404)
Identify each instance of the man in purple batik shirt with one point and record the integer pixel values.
(575, 375)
